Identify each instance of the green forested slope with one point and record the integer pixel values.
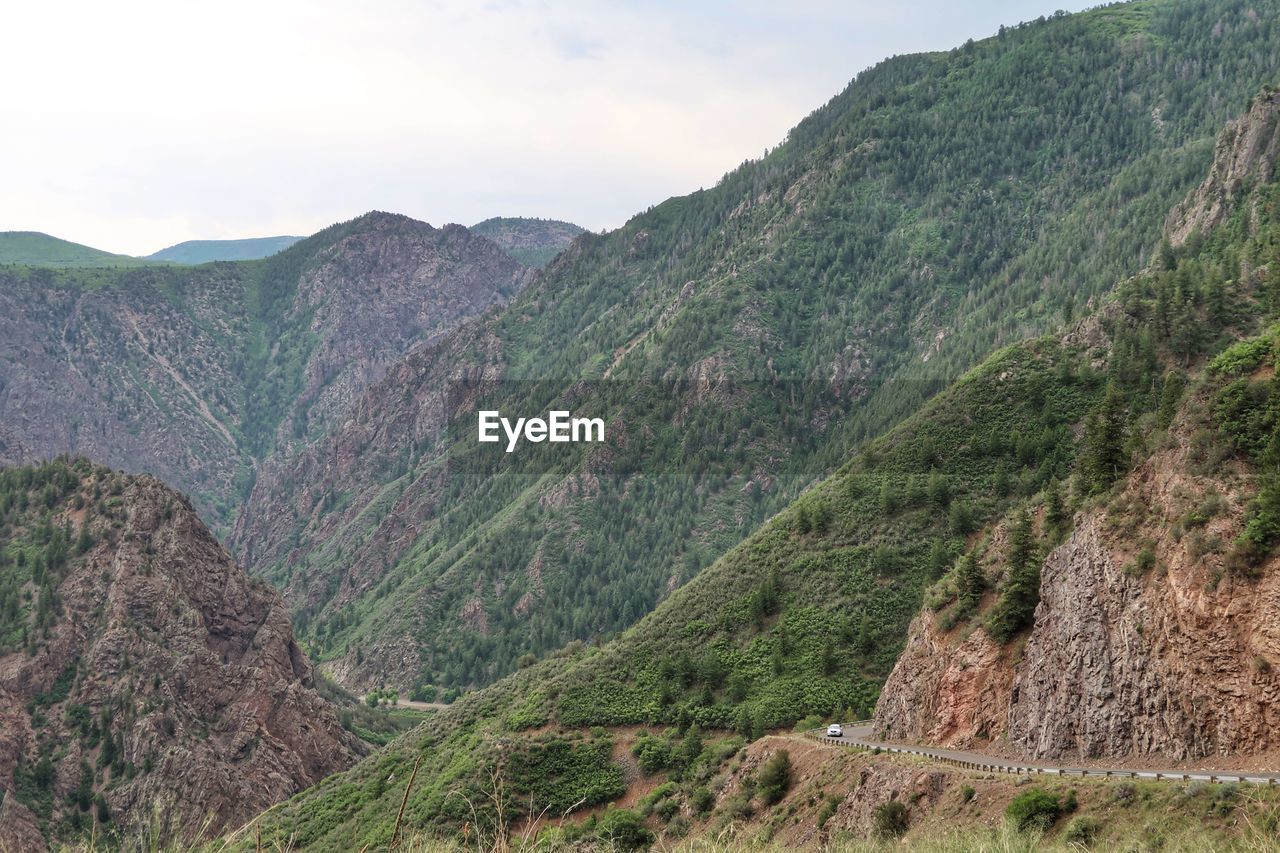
(942, 206)
(806, 616)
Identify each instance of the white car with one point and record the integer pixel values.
(834, 730)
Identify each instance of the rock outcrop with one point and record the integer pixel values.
(165, 684)
(972, 684)
(1245, 155)
(1178, 658)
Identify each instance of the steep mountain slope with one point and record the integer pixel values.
(1130, 651)
(1154, 631)
(532, 242)
(741, 341)
(36, 249)
(194, 374)
(205, 251)
(142, 672)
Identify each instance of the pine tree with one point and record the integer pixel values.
(744, 724)
(1001, 482)
(1104, 458)
(1055, 512)
(1020, 592)
(970, 581)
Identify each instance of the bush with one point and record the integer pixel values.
(1033, 809)
(701, 800)
(775, 778)
(651, 753)
(809, 723)
(891, 820)
(1081, 830)
(829, 807)
(624, 829)
(967, 793)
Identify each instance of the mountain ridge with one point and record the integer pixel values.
(195, 373)
(531, 241)
(745, 339)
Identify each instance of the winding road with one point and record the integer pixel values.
(858, 736)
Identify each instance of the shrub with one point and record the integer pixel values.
(624, 829)
(701, 800)
(810, 722)
(651, 753)
(1081, 830)
(967, 793)
(828, 809)
(775, 778)
(1033, 809)
(891, 820)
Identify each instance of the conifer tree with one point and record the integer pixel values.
(1104, 458)
(1055, 512)
(970, 581)
(1020, 592)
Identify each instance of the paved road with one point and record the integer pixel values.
(858, 736)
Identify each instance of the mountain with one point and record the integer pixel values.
(1091, 522)
(1153, 633)
(743, 341)
(204, 251)
(36, 249)
(532, 242)
(142, 672)
(196, 374)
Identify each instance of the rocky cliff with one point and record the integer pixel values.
(1171, 654)
(197, 374)
(144, 677)
(1245, 156)
(1155, 630)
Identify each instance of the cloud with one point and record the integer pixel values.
(141, 123)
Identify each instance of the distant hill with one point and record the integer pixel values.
(532, 242)
(195, 373)
(204, 251)
(36, 249)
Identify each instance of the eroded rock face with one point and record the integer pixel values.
(1178, 661)
(1246, 154)
(968, 694)
(171, 652)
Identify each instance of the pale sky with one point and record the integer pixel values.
(133, 125)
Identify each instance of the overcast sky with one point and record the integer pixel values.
(132, 125)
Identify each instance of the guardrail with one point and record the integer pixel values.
(1033, 770)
